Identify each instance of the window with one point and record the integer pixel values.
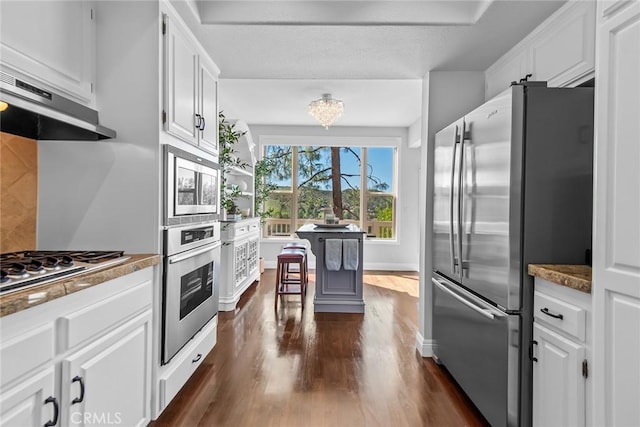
(309, 179)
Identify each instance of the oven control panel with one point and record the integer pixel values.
(196, 234)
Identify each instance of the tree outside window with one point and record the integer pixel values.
(311, 178)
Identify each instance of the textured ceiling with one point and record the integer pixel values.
(357, 47)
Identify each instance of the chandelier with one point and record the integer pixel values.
(326, 110)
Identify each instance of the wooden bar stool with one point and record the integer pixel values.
(302, 247)
(289, 282)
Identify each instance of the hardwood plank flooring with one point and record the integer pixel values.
(297, 368)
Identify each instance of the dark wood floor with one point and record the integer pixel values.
(294, 368)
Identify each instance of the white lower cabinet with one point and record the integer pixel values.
(561, 352)
(82, 359)
(240, 254)
(559, 387)
(107, 381)
(32, 402)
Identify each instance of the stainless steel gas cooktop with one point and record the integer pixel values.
(20, 270)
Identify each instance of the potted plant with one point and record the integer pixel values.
(228, 136)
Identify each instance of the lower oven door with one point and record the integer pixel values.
(190, 295)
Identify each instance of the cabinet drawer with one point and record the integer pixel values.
(562, 315)
(103, 315)
(184, 364)
(25, 352)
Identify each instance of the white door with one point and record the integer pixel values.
(31, 403)
(181, 68)
(616, 251)
(208, 109)
(107, 382)
(558, 384)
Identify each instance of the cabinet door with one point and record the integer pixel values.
(252, 255)
(107, 382)
(563, 50)
(558, 384)
(181, 70)
(616, 249)
(24, 405)
(208, 109)
(240, 264)
(52, 42)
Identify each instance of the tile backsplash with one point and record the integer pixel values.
(18, 192)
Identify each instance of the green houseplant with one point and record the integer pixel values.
(228, 136)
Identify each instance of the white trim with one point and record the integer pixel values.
(336, 141)
(425, 347)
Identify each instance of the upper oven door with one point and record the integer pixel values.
(191, 185)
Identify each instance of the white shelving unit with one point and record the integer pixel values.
(243, 178)
(240, 239)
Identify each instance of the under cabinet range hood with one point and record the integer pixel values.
(35, 113)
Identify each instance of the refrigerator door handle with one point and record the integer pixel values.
(456, 140)
(486, 312)
(460, 216)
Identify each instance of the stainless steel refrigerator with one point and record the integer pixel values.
(512, 186)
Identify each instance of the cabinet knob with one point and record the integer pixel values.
(198, 121)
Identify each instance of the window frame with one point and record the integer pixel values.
(363, 142)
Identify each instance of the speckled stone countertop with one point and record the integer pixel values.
(21, 300)
(572, 276)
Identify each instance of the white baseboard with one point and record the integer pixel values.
(424, 346)
(367, 266)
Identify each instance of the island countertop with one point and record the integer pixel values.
(16, 301)
(572, 276)
(328, 228)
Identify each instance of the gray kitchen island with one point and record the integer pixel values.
(338, 252)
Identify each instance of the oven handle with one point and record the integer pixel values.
(193, 253)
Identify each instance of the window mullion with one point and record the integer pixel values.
(294, 189)
(363, 189)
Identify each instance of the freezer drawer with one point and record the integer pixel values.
(478, 344)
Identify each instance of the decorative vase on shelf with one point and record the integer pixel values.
(242, 185)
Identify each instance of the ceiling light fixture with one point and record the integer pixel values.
(326, 110)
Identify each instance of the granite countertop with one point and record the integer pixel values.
(572, 276)
(23, 299)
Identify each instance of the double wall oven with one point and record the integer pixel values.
(191, 246)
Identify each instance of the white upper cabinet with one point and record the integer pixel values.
(52, 43)
(560, 51)
(208, 106)
(563, 49)
(191, 88)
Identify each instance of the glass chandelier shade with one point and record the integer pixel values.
(326, 110)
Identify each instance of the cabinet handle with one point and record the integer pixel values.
(56, 411)
(548, 313)
(198, 357)
(198, 120)
(531, 356)
(81, 398)
(203, 123)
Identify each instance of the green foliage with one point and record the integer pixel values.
(228, 136)
(384, 214)
(263, 169)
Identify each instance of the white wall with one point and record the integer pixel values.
(401, 254)
(447, 96)
(105, 195)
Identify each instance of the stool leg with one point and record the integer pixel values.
(302, 285)
(277, 287)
